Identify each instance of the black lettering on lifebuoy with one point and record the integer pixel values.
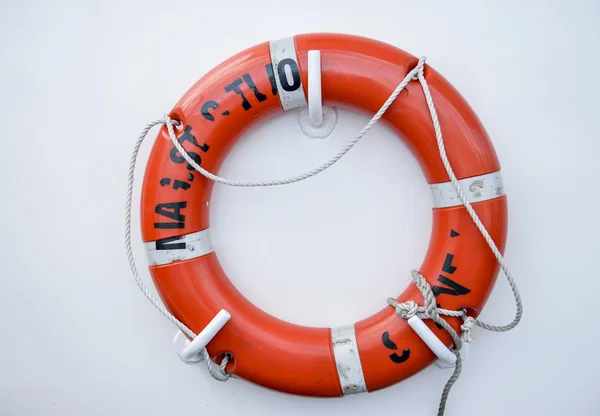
(171, 210)
(204, 110)
(190, 177)
(455, 289)
(188, 136)
(176, 185)
(176, 157)
(399, 359)
(289, 62)
(389, 344)
(448, 267)
(271, 75)
(385, 338)
(167, 243)
(453, 233)
(235, 87)
(181, 185)
(259, 95)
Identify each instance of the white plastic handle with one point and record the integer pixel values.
(464, 353)
(432, 341)
(189, 352)
(315, 104)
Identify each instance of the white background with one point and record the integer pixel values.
(78, 82)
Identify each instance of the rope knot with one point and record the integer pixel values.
(466, 328)
(429, 302)
(412, 310)
(418, 69)
(406, 309)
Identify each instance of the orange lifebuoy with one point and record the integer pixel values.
(356, 73)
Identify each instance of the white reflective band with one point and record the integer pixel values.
(184, 247)
(287, 73)
(347, 360)
(478, 188)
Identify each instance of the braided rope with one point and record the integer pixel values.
(472, 214)
(430, 309)
(217, 372)
(313, 172)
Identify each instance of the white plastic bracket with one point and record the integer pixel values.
(464, 353)
(190, 353)
(432, 341)
(315, 103)
(316, 121)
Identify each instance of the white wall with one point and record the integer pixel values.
(79, 80)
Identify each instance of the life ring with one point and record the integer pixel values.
(357, 73)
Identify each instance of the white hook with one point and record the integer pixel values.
(315, 104)
(464, 353)
(432, 341)
(190, 352)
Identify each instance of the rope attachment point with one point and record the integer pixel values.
(191, 351)
(415, 314)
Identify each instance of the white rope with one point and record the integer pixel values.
(430, 309)
(318, 169)
(406, 309)
(217, 372)
(472, 213)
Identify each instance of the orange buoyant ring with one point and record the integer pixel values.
(357, 73)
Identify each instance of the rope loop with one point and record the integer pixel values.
(466, 328)
(217, 372)
(419, 69)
